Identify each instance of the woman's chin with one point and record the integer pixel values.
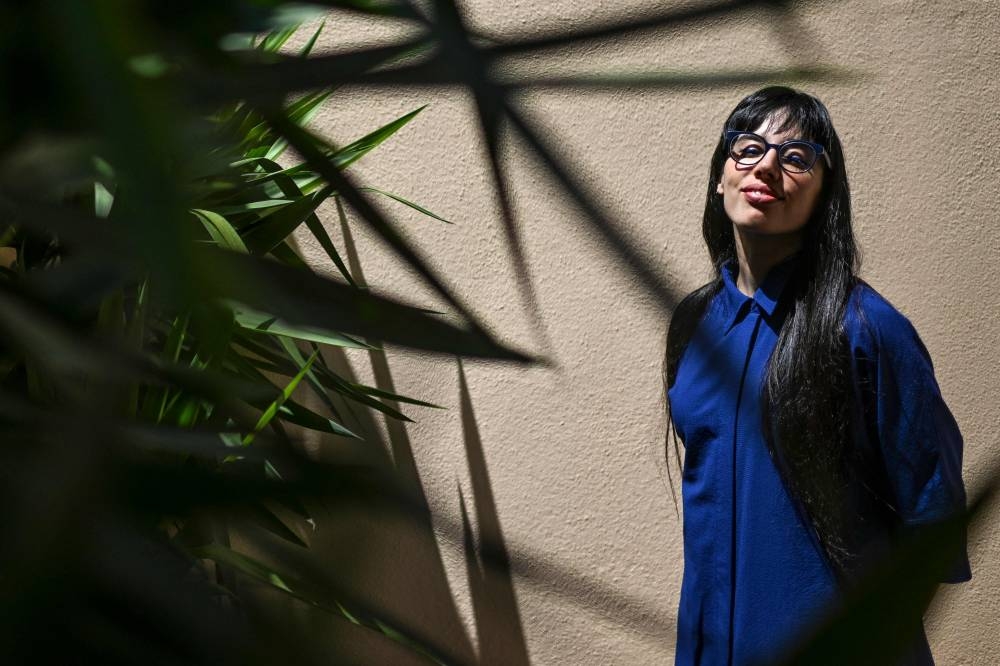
(765, 227)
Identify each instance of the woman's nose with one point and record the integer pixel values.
(768, 164)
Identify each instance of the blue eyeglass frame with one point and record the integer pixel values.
(820, 150)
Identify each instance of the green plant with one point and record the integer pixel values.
(158, 318)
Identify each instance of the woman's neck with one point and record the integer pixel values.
(757, 254)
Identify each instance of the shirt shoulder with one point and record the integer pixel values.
(875, 327)
(687, 317)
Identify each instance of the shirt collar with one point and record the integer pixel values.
(736, 303)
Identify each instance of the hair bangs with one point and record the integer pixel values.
(782, 109)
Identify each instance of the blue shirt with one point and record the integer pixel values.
(754, 576)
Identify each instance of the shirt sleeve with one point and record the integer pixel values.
(918, 437)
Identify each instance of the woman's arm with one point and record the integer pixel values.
(918, 438)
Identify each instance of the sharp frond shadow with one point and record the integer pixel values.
(494, 603)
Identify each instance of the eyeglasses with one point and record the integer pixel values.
(797, 156)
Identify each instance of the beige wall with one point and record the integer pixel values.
(570, 472)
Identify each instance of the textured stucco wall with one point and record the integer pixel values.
(566, 460)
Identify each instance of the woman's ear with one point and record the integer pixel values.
(718, 188)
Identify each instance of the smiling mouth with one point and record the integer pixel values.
(760, 196)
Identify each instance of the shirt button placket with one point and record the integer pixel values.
(752, 322)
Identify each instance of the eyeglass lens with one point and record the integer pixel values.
(796, 157)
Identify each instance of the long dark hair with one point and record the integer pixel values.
(806, 392)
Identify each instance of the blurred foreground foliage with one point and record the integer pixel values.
(156, 322)
(158, 330)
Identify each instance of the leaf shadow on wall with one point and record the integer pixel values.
(491, 586)
(404, 572)
(495, 612)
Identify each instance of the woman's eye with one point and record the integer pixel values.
(749, 151)
(796, 159)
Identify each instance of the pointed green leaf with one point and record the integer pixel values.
(264, 323)
(272, 410)
(336, 383)
(293, 353)
(305, 108)
(301, 111)
(268, 360)
(318, 231)
(290, 190)
(395, 397)
(396, 197)
(293, 412)
(263, 237)
(352, 152)
(252, 206)
(275, 39)
(220, 230)
(271, 172)
(307, 49)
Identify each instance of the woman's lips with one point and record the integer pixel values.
(756, 196)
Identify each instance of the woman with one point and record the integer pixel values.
(812, 425)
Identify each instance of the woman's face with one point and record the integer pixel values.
(763, 198)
